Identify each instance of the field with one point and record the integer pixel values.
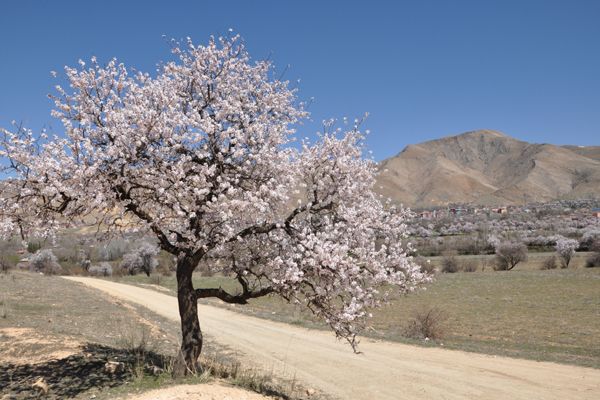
(528, 313)
(61, 332)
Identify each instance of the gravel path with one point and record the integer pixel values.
(213, 391)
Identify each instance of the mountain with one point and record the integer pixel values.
(592, 152)
(491, 168)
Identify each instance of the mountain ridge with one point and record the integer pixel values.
(488, 167)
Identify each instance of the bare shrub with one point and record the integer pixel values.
(141, 259)
(469, 266)
(450, 264)
(485, 263)
(593, 261)
(44, 261)
(136, 341)
(103, 269)
(427, 323)
(549, 263)
(581, 176)
(3, 308)
(590, 238)
(5, 265)
(509, 254)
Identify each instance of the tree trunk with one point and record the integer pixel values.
(191, 335)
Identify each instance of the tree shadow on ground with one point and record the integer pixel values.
(78, 373)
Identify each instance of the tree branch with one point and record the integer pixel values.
(241, 298)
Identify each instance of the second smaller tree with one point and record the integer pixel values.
(509, 254)
(565, 248)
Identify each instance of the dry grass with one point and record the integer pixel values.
(449, 265)
(543, 315)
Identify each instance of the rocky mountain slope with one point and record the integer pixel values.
(489, 167)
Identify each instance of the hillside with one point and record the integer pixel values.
(488, 167)
(592, 152)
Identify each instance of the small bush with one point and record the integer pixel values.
(3, 308)
(449, 264)
(469, 266)
(425, 265)
(104, 269)
(593, 261)
(427, 324)
(549, 263)
(5, 265)
(509, 254)
(33, 247)
(44, 261)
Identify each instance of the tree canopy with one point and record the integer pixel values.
(201, 156)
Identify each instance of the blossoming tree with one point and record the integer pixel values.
(566, 249)
(200, 156)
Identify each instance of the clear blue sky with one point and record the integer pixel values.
(422, 69)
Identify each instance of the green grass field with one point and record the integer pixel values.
(528, 313)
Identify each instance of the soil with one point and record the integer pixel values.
(213, 391)
(21, 346)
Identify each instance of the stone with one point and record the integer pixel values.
(114, 367)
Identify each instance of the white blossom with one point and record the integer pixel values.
(200, 156)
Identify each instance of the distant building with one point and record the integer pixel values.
(426, 214)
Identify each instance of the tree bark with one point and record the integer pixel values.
(191, 335)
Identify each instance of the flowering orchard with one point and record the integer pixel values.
(200, 156)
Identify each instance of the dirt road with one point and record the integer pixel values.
(384, 370)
